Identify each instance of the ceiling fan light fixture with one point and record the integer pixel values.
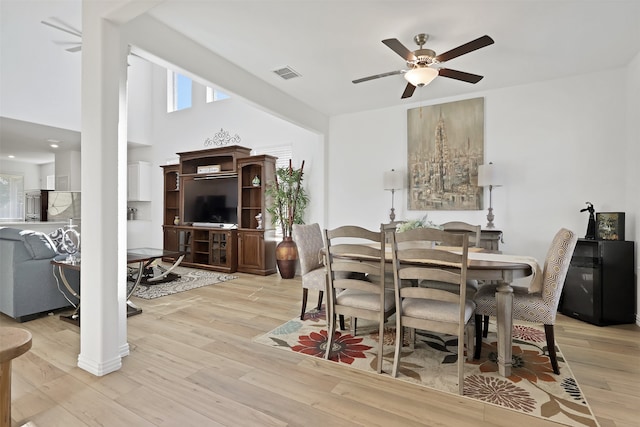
(421, 76)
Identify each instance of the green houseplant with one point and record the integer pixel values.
(288, 201)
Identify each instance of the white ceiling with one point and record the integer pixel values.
(332, 42)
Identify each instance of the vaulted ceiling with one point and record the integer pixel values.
(330, 43)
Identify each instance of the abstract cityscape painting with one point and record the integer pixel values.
(445, 145)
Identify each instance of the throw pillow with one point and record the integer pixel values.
(61, 245)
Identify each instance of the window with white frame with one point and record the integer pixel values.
(214, 95)
(178, 91)
(11, 197)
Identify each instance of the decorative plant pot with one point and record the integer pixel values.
(286, 258)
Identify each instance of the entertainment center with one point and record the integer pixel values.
(215, 210)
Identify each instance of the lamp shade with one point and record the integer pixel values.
(489, 175)
(421, 76)
(392, 180)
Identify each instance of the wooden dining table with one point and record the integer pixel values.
(503, 269)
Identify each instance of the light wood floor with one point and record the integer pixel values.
(193, 362)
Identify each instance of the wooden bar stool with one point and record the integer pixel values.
(13, 343)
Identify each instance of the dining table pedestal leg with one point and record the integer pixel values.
(504, 300)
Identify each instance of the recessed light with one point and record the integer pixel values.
(53, 145)
(11, 156)
(53, 141)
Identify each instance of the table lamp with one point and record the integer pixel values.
(392, 181)
(488, 176)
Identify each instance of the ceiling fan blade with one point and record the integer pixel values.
(397, 47)
(49, 24)
(460, 75)
(74, 49)
(465, 48)
(377, 76)
(408, 91)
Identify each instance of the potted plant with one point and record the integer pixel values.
(288, 202)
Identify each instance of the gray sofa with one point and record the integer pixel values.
(28, 287)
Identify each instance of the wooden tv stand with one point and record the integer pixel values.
(245, 248)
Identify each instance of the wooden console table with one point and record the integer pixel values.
(490, 239)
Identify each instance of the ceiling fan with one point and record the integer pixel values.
(63, 26)
(423, 64)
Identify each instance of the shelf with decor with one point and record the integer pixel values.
(212, 162)
(171, 194)
(256, 236)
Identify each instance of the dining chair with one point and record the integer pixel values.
(531, 305)
(351, 292)
(474, 231)
(308, 238)
(474, 241)
(432, 309)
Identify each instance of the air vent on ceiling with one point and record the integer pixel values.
(287, 73)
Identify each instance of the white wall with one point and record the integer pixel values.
(632, 158)
(561, 143)
(187, 130)
(68, 164)
(28, 93)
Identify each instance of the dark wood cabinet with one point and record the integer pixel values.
(256, 251)
(600, 283)
(249, 245)
(256, 246)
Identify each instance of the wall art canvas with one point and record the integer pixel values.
(610, 225)
(445, 145)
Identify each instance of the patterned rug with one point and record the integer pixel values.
(190, 278)
(532, 388)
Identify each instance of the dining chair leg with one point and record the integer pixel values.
(380, 345)
(551, 347)
(485, 331)
(399, 341)
(478, 324)
(305, 293)
(470, 341)
(331, 330)
(320, 295)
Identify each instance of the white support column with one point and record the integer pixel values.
(103, 277)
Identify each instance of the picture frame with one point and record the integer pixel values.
(208, 169)
(610, 225)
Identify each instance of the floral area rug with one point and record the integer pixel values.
(532, 388)
(190, 278)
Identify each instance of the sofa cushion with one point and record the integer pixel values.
(38, 244)
(8, 233)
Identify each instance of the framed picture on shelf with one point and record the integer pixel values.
(610, 225)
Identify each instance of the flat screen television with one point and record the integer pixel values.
(212, 201)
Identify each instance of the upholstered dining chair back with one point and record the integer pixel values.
(535, 305)
(556, 266)
(353, 255)
(308, 239)
(430, 309)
